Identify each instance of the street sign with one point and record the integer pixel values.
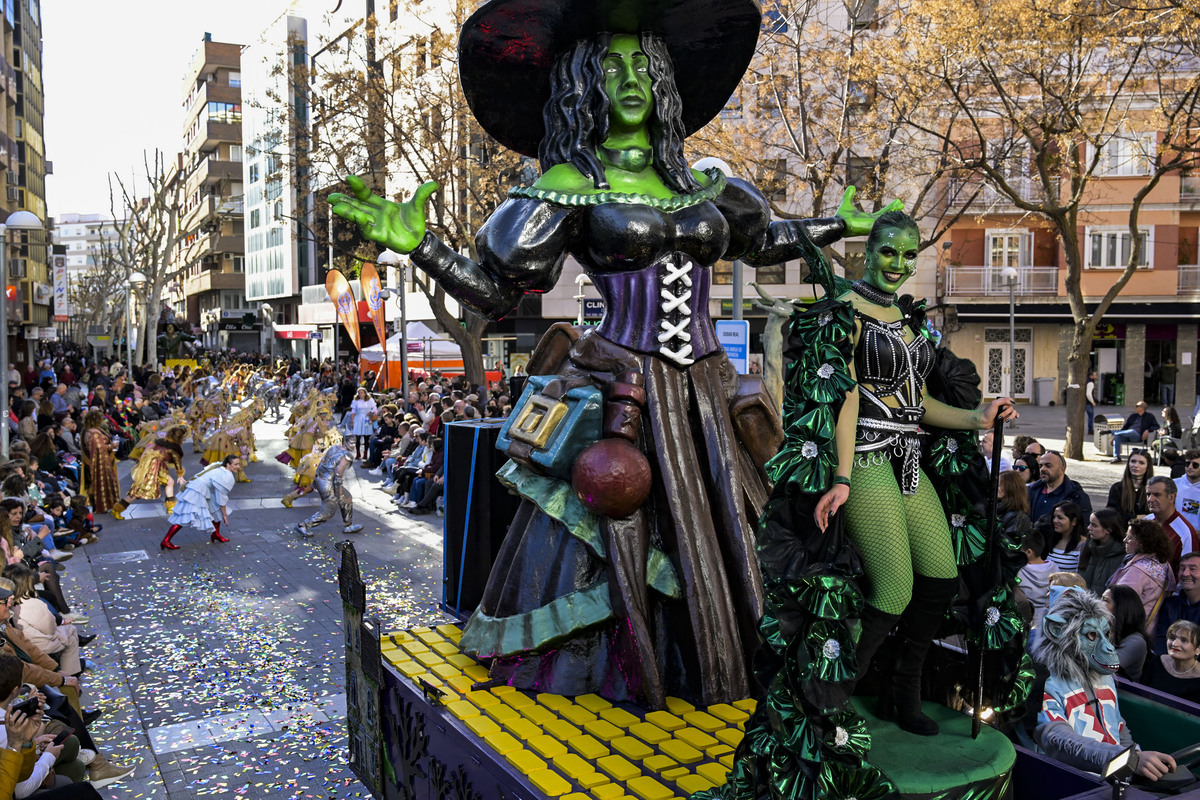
(593, 308)
(734, 336)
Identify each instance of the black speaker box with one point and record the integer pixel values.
(478, 512)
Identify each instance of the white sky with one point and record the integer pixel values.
(113, 75)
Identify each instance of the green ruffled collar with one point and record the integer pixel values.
(710, 192)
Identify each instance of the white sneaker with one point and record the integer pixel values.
(86, 756)
(75, 619)
(376, 472)
(59, 555)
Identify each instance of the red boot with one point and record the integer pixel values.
(165, 544)
(216, 534)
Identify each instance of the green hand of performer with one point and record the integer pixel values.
(397, 226)
(858, 223)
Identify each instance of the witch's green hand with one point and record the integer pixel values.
(858, 223)
(397, 226)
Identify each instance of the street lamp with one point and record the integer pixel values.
(391, 258)
(18, 221)
(1009, 274)
(135, 278)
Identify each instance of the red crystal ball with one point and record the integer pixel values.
(611, 478)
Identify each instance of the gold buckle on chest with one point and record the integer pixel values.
(537, 421)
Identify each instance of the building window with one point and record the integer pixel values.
(1129, 154)
(228, 113)
(1110, 249)
(239, 263)
(235, 152)
(235, 79)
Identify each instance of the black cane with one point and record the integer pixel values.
(997, 438)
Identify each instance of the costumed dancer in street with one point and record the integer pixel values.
(881, 459)
(306, 471)
(153, 471)
(235, 438)
(329, 482)
(646, 574)
(203, 500)
(311, 421)
(152, 430)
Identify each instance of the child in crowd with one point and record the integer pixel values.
(79, 519)
(1035, 576)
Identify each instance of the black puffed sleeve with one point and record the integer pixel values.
(757, 240)
(521, 249)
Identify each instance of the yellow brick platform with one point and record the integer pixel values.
(576, 748)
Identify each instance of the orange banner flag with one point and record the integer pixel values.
(369, 278)
(343, 300)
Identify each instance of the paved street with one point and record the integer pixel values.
(220, 667)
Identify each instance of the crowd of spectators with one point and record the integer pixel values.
(401, 439)
(69, 421)
(1140, 552)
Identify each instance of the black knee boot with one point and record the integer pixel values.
(919, 623)
(876, 625)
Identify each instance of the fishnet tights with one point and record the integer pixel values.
(897, 535)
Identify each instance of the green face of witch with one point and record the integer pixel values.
(627, 83)
(892, 258)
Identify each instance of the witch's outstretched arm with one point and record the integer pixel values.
(521, 247)
(760, 242)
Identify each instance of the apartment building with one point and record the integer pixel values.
(26, 159)
(1152, 322)
(210, 291)
(84, 238)
(279, 248)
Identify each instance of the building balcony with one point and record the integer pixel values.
(214, 92)
(990, 281)
(1189, 187)
(212, 134)
(1189, 279)
(211, 170)
(213, 206)
(987, 196)
(211, 280)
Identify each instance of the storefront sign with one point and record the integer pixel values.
(48, 334)
(593, 308)
(239, 326)
(734, 336)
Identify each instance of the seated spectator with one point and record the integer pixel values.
(1064, 544)
(1128, 632)
(40, 670)
(1184, 604)
(1026, 466)
(387, 435)
(1137, 429)
(27, 426)
(1160, 496)
(1128, 495)
(1104, 549)
(1146, 568)
(38, 621)
(1176, 671)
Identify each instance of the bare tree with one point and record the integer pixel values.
(820, 109)
(1042, 121)
(387, 106)
(150, 240)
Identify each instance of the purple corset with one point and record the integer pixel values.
(661, 309)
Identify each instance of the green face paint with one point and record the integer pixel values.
(627, 84)
(892, 258)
